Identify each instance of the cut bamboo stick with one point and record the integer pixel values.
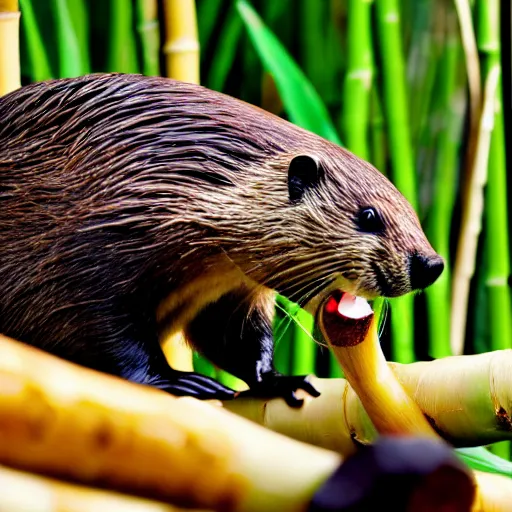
(57, 418)
(355, 344)
(9, 46)
(181, 48)
(466, 398)
(24, 492)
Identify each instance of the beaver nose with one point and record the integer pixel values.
(423, 270)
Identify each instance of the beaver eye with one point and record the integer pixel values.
(370, 221)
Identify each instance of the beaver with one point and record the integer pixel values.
(132, 207)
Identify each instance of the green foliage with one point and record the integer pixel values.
(301, 101)
(483, 460)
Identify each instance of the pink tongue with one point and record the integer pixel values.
(349, 306)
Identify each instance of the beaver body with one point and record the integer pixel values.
(134, 206)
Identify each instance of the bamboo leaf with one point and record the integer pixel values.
(301, 101)
(483, 460)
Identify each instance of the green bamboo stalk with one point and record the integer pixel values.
(304, 347)
(207, 15)
(68, 46)
(312, 41)
(121, 49)
(39, 64)
(358, 79)
(496, 218)
(424, 52)
(378, 153)
(80, 20)
(227, 46)
(450, 96)
(283, 335)
(404, 175)
(148, 30)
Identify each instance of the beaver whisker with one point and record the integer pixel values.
(303, 280)
(295, 269)
(311, 289)
(298, 278)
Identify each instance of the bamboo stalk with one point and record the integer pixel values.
(23, 492)
(304, 348)
(69, 54)
(404, 174)
(181, 48)
(389, 406)
(148, 29)
(423, 53)
(10, 76)
(472, 217)
(121, 51)
(96, 429)
(451, 115)
(358, 79)
(226, 49)
(378, 155)
(496, 218)
(39, 63)
(467, 398)
(467, 33)
(80, 23)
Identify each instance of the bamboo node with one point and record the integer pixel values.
(183, 45)
(5, 16)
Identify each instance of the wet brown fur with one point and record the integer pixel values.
(129, 203)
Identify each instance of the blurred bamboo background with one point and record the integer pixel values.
(402, 84)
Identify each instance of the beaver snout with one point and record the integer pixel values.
(424, 270)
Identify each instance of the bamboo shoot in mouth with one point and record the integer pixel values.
(388, 405)
(348, 324)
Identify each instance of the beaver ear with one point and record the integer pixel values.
(304, 172)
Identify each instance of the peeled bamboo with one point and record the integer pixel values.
(181, 48)
(23, 492)
(70, 422)
(9, 46)
(467, 398)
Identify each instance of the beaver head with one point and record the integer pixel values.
(177, 177)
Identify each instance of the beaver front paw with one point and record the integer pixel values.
(193, 384)
(275, 385)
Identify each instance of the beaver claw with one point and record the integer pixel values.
(195, 385)
(275, 385)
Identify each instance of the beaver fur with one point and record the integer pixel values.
(132, 207)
